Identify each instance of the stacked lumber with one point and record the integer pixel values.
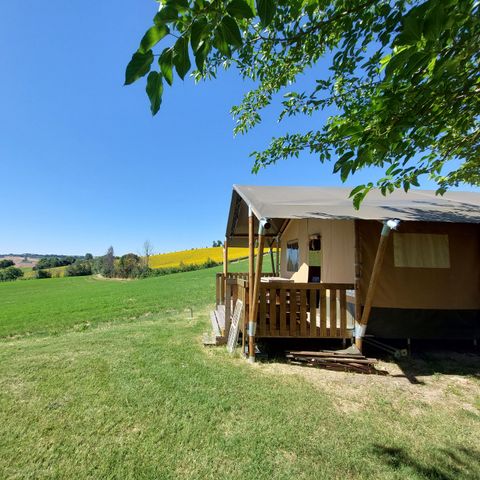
(347, 360)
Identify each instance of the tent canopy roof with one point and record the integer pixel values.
(281, 203)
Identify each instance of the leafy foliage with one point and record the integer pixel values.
(402, 83)
(105, 265)
(10, 273)
(129, 266)
(43, 274)
(52, 262)
(79, 269)
(4, 263)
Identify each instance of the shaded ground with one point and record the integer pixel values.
(443, 379)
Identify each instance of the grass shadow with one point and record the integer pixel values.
(445, 363)
(457, 462)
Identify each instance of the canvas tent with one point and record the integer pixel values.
(428, 283)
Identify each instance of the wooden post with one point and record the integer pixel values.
(225, 264)
(358, 274)
(254, 304)
(272, 260)
(227, 287)
(251, 254)
(225, 258)
(372, 286)
(278, 256)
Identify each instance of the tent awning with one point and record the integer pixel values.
(282, 203)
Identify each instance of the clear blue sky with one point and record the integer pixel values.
(85, 165)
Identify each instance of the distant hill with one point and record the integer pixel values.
(22, 261)
(36, 255)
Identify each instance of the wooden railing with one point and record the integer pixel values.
(221, 284)
(315, 310)
(308, 310)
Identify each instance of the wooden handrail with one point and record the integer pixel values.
(314, 310)
(308, 286)
(309, 310)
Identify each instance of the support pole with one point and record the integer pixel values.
(358, 275)
(361, 327)
(225, 264)
(251, 273)
(251, 255)
(252, 324)
(272, 260)
(278, 256)
(225, 257)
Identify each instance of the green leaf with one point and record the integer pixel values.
(201, 55)
(167, 14)
(199, 31)
(181, 59)
(231, 32)
(435, 22)
(358, 199)
(356, 190)
(220, 42)
(266, 11)
(340, 163)
(398, 60)
(345, 171)
(166, 63)
(241, 9)
(412, 30)
(152, 37)
(138, 66)
(180, 5)
(154, 91)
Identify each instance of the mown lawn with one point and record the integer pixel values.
(142, 398)
(53, 305)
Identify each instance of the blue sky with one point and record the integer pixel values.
(85, 165)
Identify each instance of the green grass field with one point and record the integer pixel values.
(53, 305)
(108, 379)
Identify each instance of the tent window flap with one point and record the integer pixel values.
(419, 250)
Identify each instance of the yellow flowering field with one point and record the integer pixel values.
(195, 257)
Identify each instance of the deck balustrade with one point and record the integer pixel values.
(303, 310)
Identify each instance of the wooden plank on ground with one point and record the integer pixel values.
(220, 315)
(234, 327)
(307, 353)
(215, 328)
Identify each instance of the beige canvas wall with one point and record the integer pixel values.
(338, 240)
(451, 283)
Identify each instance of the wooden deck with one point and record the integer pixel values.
(290, 310)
